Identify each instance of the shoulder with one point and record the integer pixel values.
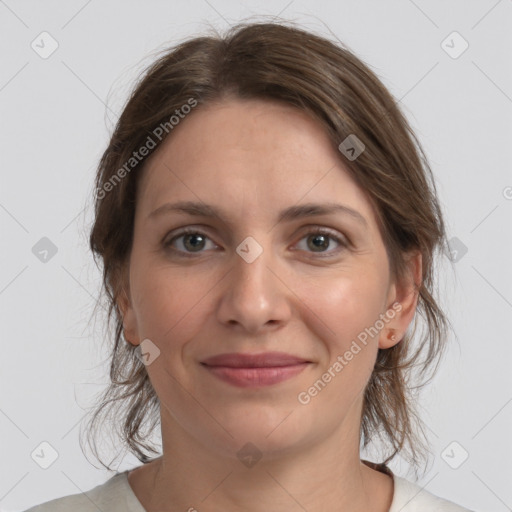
(410, 497)
(114, 495)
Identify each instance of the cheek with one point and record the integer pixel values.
(346, 310)
(169, 304)
(348, 304)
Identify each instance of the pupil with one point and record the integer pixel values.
(198, 241)
(323, 244)
(194, 245)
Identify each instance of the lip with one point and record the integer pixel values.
(255, 370)
(263, 360)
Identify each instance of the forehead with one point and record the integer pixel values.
(259, 153)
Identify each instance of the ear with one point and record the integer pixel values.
(129, 319)
(403, 299)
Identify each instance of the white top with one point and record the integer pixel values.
(116, 495)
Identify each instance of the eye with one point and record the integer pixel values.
(191, 241)
(318, 239)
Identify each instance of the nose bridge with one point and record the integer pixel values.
(251, 265)
(252, 295)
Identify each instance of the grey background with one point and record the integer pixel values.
(54, 127)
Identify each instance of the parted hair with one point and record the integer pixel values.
(282, 62)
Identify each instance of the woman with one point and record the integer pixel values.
(268, 227)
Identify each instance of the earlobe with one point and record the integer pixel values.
(129, 320)
(389, 339)
(405, 301)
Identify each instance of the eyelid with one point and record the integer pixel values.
(341, 239)
(189, 230)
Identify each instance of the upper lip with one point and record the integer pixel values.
(265, 359)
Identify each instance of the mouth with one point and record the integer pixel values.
(255, 370)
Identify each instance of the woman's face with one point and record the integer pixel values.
(250, 280)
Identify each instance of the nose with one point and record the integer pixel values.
(254, 296)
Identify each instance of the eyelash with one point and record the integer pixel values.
(314, 231)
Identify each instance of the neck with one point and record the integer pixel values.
(326, 475)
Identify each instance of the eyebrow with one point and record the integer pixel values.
(286, 215)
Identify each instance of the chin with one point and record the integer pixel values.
(274, 432)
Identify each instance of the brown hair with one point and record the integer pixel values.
(281, 62)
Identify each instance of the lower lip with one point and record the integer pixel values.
(256, 377)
